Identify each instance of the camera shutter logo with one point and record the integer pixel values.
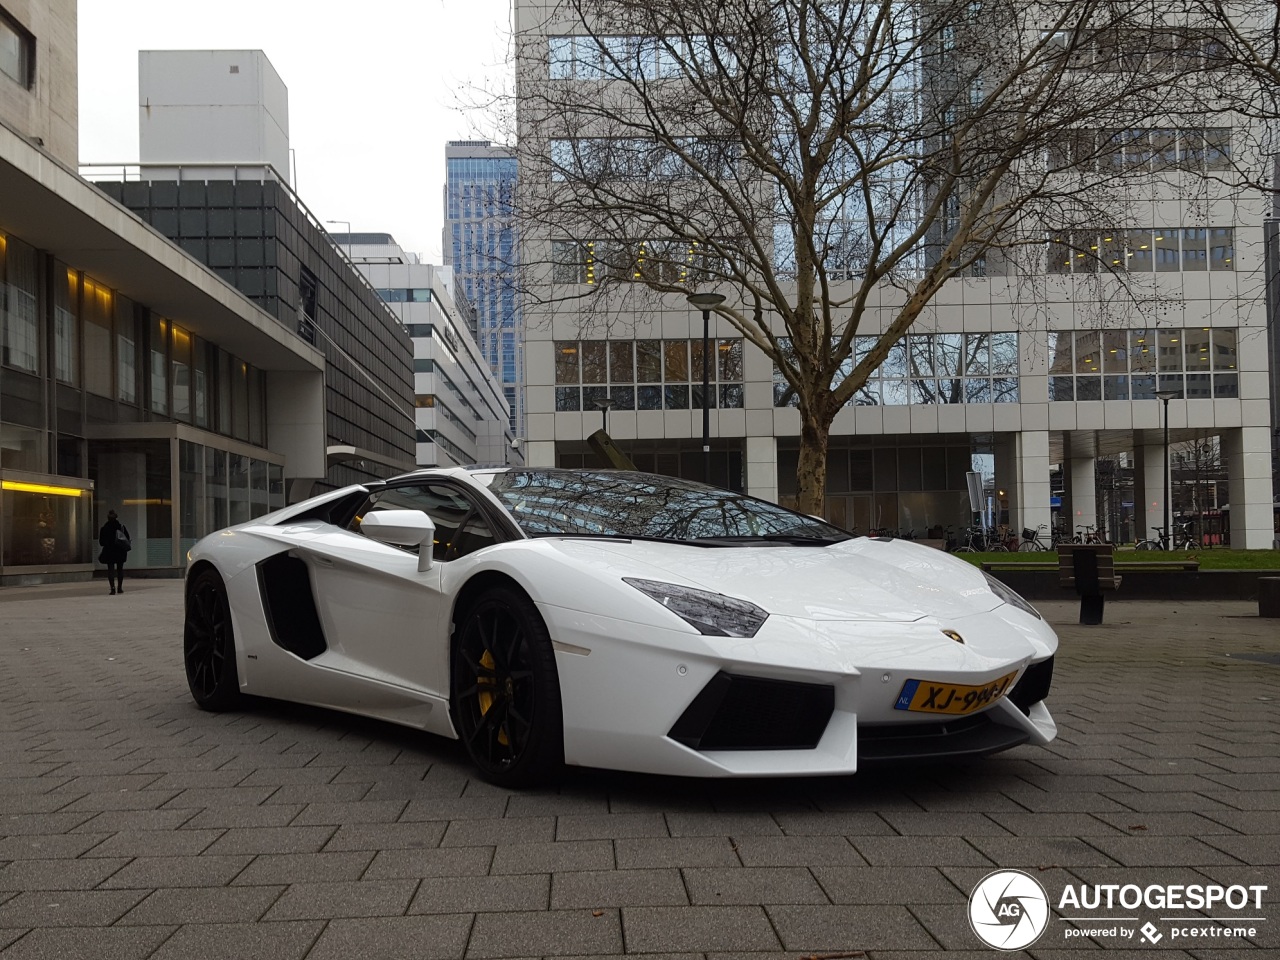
(1008, 910)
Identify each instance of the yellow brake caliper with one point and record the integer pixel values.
(485, 697)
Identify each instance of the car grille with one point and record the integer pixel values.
(750, 713)
(1034, 685)
(946, 739)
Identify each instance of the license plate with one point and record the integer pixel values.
(926, 696)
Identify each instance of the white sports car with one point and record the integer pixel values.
(615, 619)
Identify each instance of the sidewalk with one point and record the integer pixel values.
(135, 826)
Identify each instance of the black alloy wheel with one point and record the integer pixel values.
(506, 691)
(208, 646)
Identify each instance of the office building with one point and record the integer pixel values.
(985, 379)
(481, 245)
(131, 376)
(214, 135)
(461, 412)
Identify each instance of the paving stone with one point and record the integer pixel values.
(18, 825)
(610, 826)
(273, 815)
(155, 843)
(272, 840)
(385, 836)
(651, 929)
(797, 851)
(394, 938)
(446, 862)
(557, 932)
(1251, 849)
(939, 824)
(752, 885)
(556, 804)
(553, 857)
(41, 847)
(455, 808)
(633, 853)
(1026, 852)
(919, 852)
(237, 941)
(80, 874)
(100, 943)
(845, 928)
(868, 885)
(482, 894)
(155, 872)
(819, 823)
(317, 792)
(1062, 824)
(480, 833)
(723, 825)
(1169, 851)
(618, 888)
(273, 868)
(203, 905)
(360, 898)
(115, 821)
(362, 811)
(68, 908)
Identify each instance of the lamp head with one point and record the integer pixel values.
(705, 301)
(1167, 395)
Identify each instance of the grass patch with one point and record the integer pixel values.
(1218, 558)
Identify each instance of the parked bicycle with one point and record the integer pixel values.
(1036, 540)
(1182, 539)
(1087, 533)
(981, 540)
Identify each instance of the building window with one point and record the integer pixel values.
(646, 374)
(1198, 363)
(929, 368)
(19, 319)
(65, 339)
(1162, 249)
(307, 305)
(17, 52)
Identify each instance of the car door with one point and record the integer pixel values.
(382, 617)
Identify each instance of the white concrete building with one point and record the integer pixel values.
(984, 380)
(461, 413)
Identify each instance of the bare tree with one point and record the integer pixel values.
(835, 162)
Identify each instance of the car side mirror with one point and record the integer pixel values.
(402, 528)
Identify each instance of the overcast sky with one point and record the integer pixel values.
(375, 91)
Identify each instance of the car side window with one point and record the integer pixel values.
(445, 506)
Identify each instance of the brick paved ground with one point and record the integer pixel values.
(134, 826)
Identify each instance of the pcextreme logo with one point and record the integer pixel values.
(1008, 910)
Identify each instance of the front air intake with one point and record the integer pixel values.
(751, 713)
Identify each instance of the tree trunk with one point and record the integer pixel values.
(812, 471)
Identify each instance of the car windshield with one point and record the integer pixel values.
(607, 503)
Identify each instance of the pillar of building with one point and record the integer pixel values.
(1149, 494)
(761, 460)
(1082, 491)
(1247, 454)
(1031, 490)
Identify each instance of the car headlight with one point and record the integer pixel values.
(711, 614)
(1009, 596)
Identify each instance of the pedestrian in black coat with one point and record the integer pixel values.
(116, 543)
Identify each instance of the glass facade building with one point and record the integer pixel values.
(481, 245)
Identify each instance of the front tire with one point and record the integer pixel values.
(1028, 546)
(506, 690)
(208, 644)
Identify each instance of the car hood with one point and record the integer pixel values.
(860, 579)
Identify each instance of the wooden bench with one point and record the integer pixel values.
(1089, 568)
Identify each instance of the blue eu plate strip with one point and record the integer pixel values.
(904, 698)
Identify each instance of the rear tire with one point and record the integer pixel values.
(505, 690)
(1145, 545)
(208, 644)
(1028, 546)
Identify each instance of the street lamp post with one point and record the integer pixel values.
(1164, 396)
(348, 226)
(603, 405)
(706, 302)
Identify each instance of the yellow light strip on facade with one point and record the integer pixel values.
(19, 487)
